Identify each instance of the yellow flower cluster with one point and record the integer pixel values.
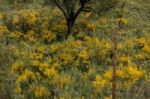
(121, 73)
(66, 57)
(135, 73)
(54, 64)
(125, 59)
(54, 48)
(100, 83)
(35, 63)
(108, 75)
(41, 48)
(122, 21)
(40, 91)
(120, 46)
(50, 72)
(21, 78)
(141, 41)
(144, 45)
(38, 56)
(17, 66)
(4, 29)
(16, 20)
(27, 74)
(49, 36)
(91, 27)
(18, 90)
(29, 17)
(15, 34)
(78, 43)
(140, 56)
(130, 72)
(84, 55)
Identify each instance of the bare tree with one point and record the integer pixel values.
(71, 9)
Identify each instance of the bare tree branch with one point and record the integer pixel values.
(82, 3)
(58, 5)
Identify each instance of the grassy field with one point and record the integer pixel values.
(38, 62)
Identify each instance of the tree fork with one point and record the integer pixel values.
(72, 16)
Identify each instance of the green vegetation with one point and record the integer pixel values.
(40, 58)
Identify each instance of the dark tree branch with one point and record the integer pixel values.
(87, 9)
(78, 12)
(82, 3)
(58, 5)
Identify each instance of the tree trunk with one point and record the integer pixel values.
(70, 23)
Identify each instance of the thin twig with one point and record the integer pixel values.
(114, 61)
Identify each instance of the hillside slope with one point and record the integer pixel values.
(37, 62)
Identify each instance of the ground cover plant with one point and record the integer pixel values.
(41, 58)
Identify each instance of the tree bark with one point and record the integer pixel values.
(70, 24)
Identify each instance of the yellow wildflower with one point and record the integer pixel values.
(146, 49)
(4, 29)
(107, 46)
(40, 91)
(15, 34)
(29, 17)
(125, 58)
(82, 97)
(31, 33)
(141, 41)
(41, 48)
(122, 20)
(21, 78)
(15, 20)
(53, 48)
(99, 83)
(61, 98)
(35, 63)
(78, 43)
(31, 40)
(49, 36)
(66, 57)
(107, 97)
(108, 75)
(120, 46)
(29, 74)
(56, 65)
(140, 56)
(120, 73)
(91, 71)
(44, 65)
(50, 72)
(18, 90)
(18, 65)
(91, 27)
(38, 56)
(135, 73)
(84, 55)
